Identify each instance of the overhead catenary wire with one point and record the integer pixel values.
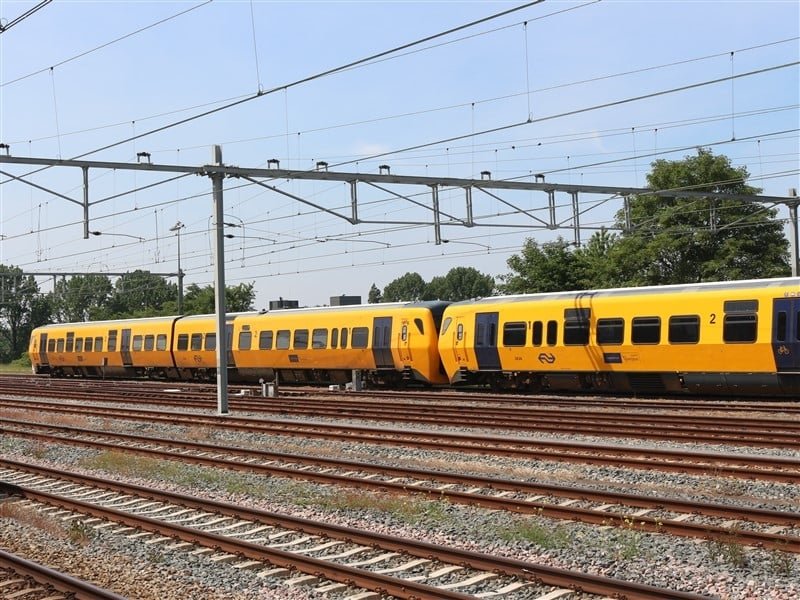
(298, 82)
(23, 16)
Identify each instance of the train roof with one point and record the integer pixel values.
(434, 306)
(642, 291)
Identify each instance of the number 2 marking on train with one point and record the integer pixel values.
(713, 318)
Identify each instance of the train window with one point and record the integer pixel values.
(741, 306)
(536, 336)
(300, 339)
(684, 329)
(514, 333)
(149, 342)
(112, 340)
(60, 345)
(446, 324)
(576, 326)
(739, 329)
(51, 345)
(552, 333)
(196, 341)
(183, 342)
(88, 343)
(420, 326)
(610, 332)
(780, 333)
(646, 330)
(245, 339)
(404, 333)
(98, 344)
(161, 341)
(284, 336)
(319, 338)
(334, 337)
(265, 340)
(137, 343)
(343, 339)
(797, 325)
(79, 345)
(211, 341)
(70, 342)
(360, 337)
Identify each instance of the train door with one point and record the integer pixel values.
(382, 342)
(786, 334)
(125, 348)
(406, 331)
(486, 341)
(229, 343)
(43, 349)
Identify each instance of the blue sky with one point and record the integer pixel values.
(569, 56)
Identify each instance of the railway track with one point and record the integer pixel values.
(720, 464)
(646, 513)
(761, 432)
(270, 541)
(204, 390)
(24, 579)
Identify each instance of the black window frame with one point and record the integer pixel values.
(300, 339)
(266, 339)
(98, 344)
(210, 341)
(196, 342)
(161, 342)
(137, 343)
(149, 342)
(359, 337)
(735, 324)
(678, 329)
(88, 344)
(112, 340)
(245, 340)
(552, 333)
(610, 331)
(283, 339)
(183, 342)
(515, 334)
(79, 344)
(642, 330)
(319, 338)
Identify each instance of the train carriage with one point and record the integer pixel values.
(736, 338)
(116, 348)
(391, 344)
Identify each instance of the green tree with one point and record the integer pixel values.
(551, 267)
(595, 263)
(375, 295)
(460, 283)
(141, 294)
(22, 308)
(200, 300)
(408, 288)
(680, 240)
(80, 298)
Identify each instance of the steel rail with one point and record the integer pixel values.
(529, 571)
(710, 403)
(766, 433)
(786, 543)
(76, 588)
(769, 467)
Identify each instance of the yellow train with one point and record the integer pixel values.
(729, 338)
(391, 344)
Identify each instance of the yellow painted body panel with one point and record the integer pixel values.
(60, 358)
(709, 354)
